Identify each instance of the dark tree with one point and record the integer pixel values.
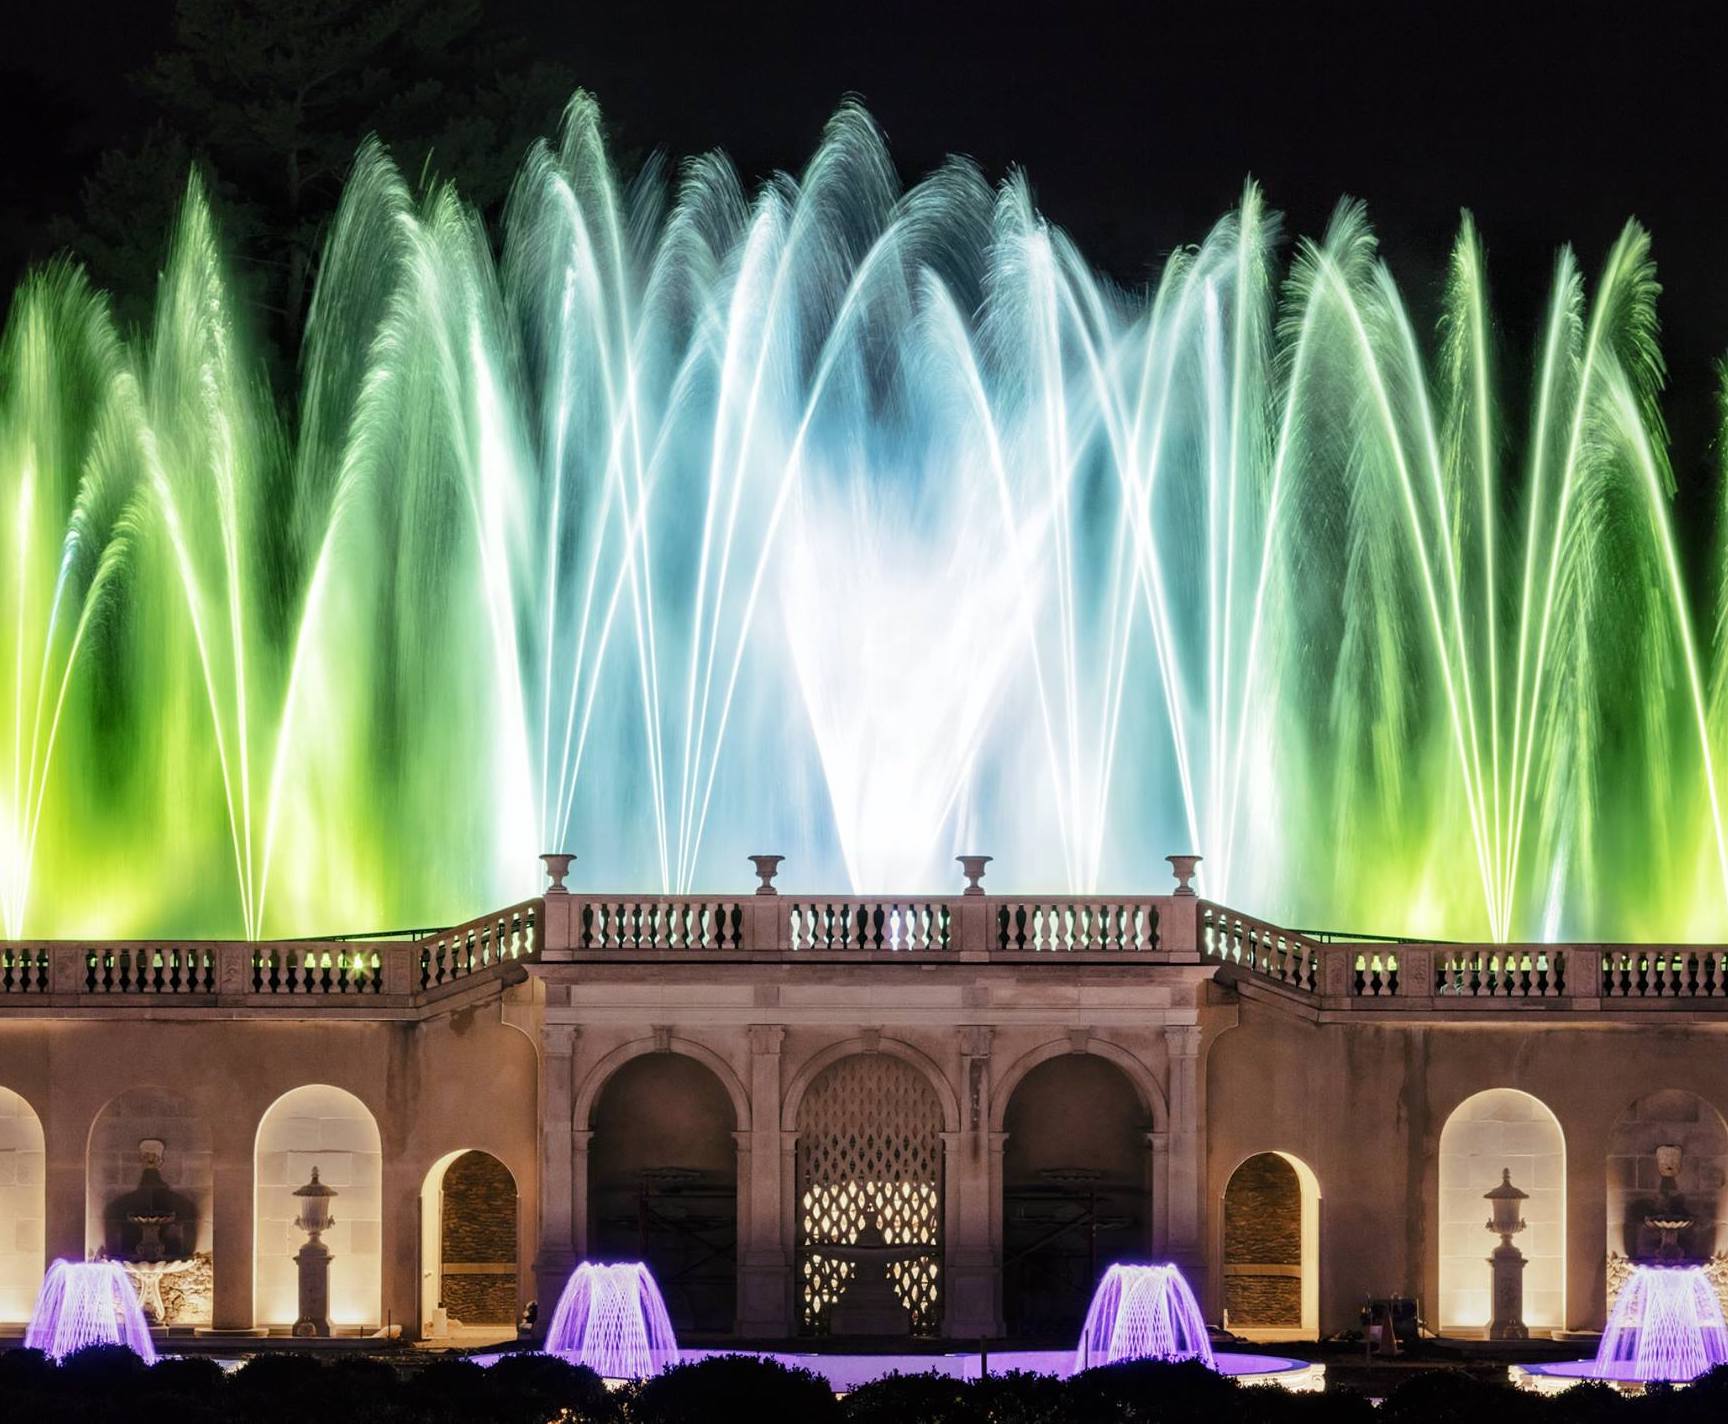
(270, 98)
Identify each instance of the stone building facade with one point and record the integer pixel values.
(1014, 1091)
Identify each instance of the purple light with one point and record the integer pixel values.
(88, 1303)
(1667, 1325)
(1143, 1312)
(612, 1319)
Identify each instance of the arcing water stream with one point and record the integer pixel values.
(859, 524)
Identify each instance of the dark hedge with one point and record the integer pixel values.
(112, 1384)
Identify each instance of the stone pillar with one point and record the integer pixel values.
(231, 1243)
(65, 1135)
(971, 1254)
(1178, 929)
(1185, 1171)
(1586, 1209)
(555, 1251)
(1158, 1190)
(399, 1241)
(581, 1138)
(764, 1257)
(313, 1261)
(1506, 1263)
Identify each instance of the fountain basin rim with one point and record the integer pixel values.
(1570, 1372)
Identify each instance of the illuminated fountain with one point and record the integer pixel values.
(1143, 1312)
(611, 1317)
(88, 1303)
(708, 493)
(1666, 1325)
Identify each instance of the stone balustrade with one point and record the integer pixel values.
(809, 927)
(409, 976)
(392, 977)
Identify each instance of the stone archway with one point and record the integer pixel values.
(869, 1159)
(328, 1128)
(23, 1205)
(469, 1217)
(148, 1198)
(1074, 1190)
(663, 1183)
(1272, 1248)
(1493, 1131)
(1683, 1132)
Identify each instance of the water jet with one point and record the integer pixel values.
(85, 1303)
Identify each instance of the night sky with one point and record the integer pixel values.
(1136, 122)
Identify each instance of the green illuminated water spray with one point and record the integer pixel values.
(862, 523)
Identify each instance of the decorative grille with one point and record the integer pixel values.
(870, 1153)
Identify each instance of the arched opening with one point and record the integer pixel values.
(1494, 1131)
(1074, 1197)
(148, 1200)
(323, 1127)
(23, 1206)
(1272, 1248)
(870, 1161)
(1667, 1155)
(663, 1184)
(468, 1247)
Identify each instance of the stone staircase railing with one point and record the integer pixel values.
(340, 975)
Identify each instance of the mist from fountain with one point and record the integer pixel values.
(1666, 1325)
(1143, 1312)
(611, 1317)
(88, 1303)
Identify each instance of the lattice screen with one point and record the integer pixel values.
(870, 1152)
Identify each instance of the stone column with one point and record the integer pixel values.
(1185, 1170)
(580, 1140)
(1158, 1190)
(65, 1135)
(399, 1240)
(1586, 1304)
(971, 1255)
(555, 1251)
(764, 1260)
(231, 1243)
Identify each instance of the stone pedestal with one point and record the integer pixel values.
(313, 1259)
(1507, 1264)
(869, 1304)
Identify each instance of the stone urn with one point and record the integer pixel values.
(313, 1259)
(972, 867)
(1507, 1262)
(1182, 867)
(557, 867)
(767, 867)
